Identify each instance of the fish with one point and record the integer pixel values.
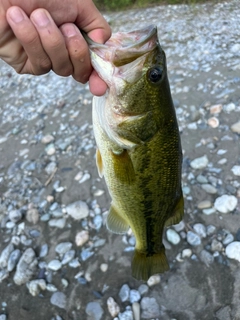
(138, 143)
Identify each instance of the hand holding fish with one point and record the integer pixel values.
(39, 35)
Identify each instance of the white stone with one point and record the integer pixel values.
(199, 163)
(26, 267)
(186, 253)
(153, 280)
(113, 307)
(78, 210)
(47, 139)
(236, 170)
(81, 238)
(35, 286)
(103, 267)
(54, 265)
(136, 310)
(225, 203)
(233, 250)
(173, 237)
(236, 127)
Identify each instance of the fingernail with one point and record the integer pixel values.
(40, 18)
(69, 31)
(16, 15)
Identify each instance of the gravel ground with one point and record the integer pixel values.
(57, 260)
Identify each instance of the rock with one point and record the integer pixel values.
(5, 255)
(236, 170)
(103, 267)
(86, 254)
(113, 307)
(58, 223)
(32, 215)
(81, 238)
(136, 311)
(213, 122)
(204, 204)
(186, 253)
(200, 229)
(217, 108)
(153, 280)
(51, 167)
(150, 308)
(224, 313)
(216, 245)
(134, 296)
(26, 267)
(78, 210)
(199, 163)
(206, 257)
(228, 239)
(15, 215)
(210, 230)
(233, 250)
(124, 293)
(3, 317)
(209, 188)
(201, 179)
(236, 127)
(59, 299)
(63, 247)
(43, 251)
(126, 315)
(172, 236)
(50, 149)
(179, 226)
(35, 286)
(143, 288)
(193, 239)
(209, 211)
(68, 256)
(47, 139)
(235, 48)
(13, 259)
(94, 310)
(54, 265)
(225, 203)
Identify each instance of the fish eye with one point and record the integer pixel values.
(155, 74)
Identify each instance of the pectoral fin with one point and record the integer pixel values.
(123, 166)
(99, 163)
(177, 214)
(115, 222)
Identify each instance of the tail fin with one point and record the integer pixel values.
(143, 266)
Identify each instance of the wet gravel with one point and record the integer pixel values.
(57, 260)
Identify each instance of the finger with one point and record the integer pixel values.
(29, 55)
(52, 41)
(97, 86)
(78, 52)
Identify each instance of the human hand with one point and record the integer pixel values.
(35, 40)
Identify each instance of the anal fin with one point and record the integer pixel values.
(177, 214)
(115, 222)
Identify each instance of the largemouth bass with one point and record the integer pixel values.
(138, 144)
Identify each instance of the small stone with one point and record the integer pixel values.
(74, 263)
(51, 167)
(5, 255)
(199, 163)
(124, 293)
(153, 280)
(193, 239)
(32, 215)
(235, 48)
(68, 256)
(233, 250)
(126, 315)
(3, 317)
(179, 226)
(200, 229)
(150, 308)
(58, 223)
(81, 238)
(134, 296)
(103, 267)
(43, 251)
(209, 188)
(113, 307)
(201, 179)
(209, 211)
(224, 313)
(217, 108)
(173, 237)
(26, 267)
(210, 230)
(225, 203)
(54, 265)
(63, 247)
(47, 139)
(213, 122)
(228, 239)
(204, 204)
(216, 245)
(143, 288)
(86, 254)
(186, 253)
(206, 257)
(78, 210)
(236, 127)
(136, 311)
(59, 299)
(236, 170)
(15, 215)
(13, 259)
(94, 310)
(35, 286)
(50, 149)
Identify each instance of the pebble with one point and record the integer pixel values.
(199, 163)
(225, 203)
(124, 293)
(50, 168)
(58, 223)
(206, 257)
(3, 317)
(193, 239)
(13, 259)
(204, 204)
(233, 250)
(172, 236)
(68, 256)
(217, 108)
(216, 245)
(50, 149)
(15, 215)
(210, 230)
(94, 310)
(81, 238)
(209, 188)
(136, 311)
(153, 280)
(179, 226)
(59, 299)
(32, 215)
(113, 307)
(150, 308)
(201, 179)
(213, 122)
(78, 210)
(86, 254)
(186, 253)
(54, 265)
(200, 229)
(126, 315)
(143, 288)
(236, 127)
(47, 139)
(26, 267)
(35, 286)
(209, 211)
(43, 251)
(63, 247)
(236, 170)
(103, 267)
(134, 296)
(228, 239)
(5, 255)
